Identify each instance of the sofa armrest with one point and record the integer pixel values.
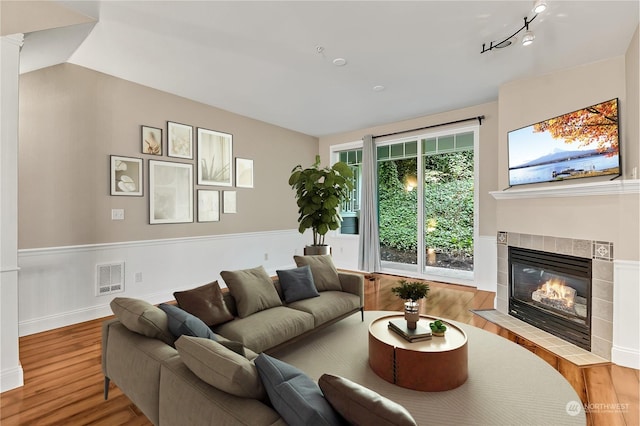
(352, 283)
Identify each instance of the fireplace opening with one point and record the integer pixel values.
(552, 292)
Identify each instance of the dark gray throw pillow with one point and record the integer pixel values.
(182, 322)
(293, 394)
(297, 284)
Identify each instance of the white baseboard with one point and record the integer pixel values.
(11, 378)
(626, 357)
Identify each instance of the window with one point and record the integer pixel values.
(351, 211)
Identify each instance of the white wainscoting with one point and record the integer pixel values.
(626, 316)
(57, 285)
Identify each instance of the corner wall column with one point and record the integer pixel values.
(10, 369)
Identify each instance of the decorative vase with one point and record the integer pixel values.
(411, 314)
(316, 250)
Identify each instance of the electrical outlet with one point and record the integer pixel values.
(138, 277)
(117, 214)
(266, 256)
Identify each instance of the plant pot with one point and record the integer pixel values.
(438, 333)
(412, 314)
(317, 250)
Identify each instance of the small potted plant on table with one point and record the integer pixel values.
(437, 328)
(411, 292)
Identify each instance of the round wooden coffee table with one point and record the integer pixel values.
(438, 364)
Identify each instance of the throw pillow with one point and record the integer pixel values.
(220, 367)
(252, 290)
(206, 303)
(143, 318)
(325, 274)
(297, 284)
(294, 395)
(182, 322)
(362, 406)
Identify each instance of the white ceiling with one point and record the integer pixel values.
(260, 59)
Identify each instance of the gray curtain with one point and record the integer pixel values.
(369, 250)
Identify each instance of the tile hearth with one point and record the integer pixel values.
(551, 343)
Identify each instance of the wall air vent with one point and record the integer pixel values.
(109, 278)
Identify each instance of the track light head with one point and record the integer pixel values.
(539, 6)
(528, 38)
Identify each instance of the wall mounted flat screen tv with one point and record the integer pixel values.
(580, 144)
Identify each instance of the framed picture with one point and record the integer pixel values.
(244, 173)
(208, 205)
(151, 140)
(170, 192)
(126, 176)
(179, 140)
(229, 202)
(214, 158)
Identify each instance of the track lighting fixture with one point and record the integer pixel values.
(539, 6)
(526, 40)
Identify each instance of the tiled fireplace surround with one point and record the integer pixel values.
(601, 254)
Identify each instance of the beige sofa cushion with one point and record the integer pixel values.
(252, 290)
(266, 329)
(220, 367)
(205, 302)
(325, 274)
(143, 318)
(361, 406)
(330, 305)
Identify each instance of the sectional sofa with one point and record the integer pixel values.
(183, 369)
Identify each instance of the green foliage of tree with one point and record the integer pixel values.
(448, 203)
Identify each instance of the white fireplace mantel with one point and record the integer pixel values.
(613, 187)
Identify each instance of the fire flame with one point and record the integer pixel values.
(555, 289)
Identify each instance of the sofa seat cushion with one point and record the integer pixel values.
(266, 329)
(330, 305)
(252, 290)
(221, 367)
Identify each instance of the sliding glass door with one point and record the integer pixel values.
(427, 204)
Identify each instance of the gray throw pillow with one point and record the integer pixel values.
(297, 284)
(325, 274)
(294, 395)
(182, 322)
(143, 318)
(220, 367)
(361, 406)
(252, 289)
(206, 302)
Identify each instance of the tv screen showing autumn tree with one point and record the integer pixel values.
(579, 144)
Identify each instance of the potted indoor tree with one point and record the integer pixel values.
(411, 293)
(320, 192)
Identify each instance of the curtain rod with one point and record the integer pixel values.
(479, 118)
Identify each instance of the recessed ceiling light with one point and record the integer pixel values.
(339, 62)
(378, 88)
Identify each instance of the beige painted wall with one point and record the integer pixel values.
(608, 218)
(487, 155)
(72, 119)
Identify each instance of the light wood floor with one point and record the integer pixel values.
(64, 382)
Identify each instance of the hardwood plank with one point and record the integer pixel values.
(626, 384)
(602, 398)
